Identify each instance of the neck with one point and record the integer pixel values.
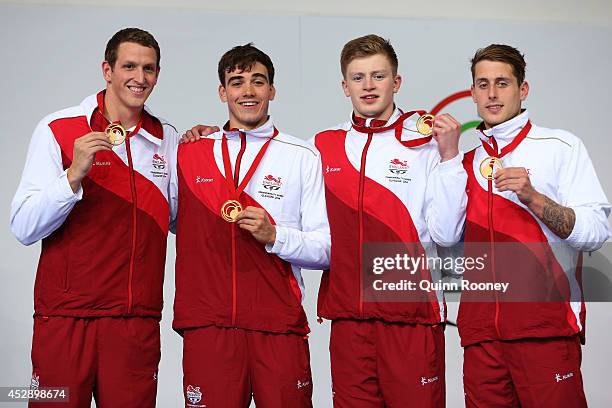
(113, 111)
(490, 125)
(384, 115)
(235, 124)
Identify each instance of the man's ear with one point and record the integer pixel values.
(107, 70)
(272, 92)
(345, 88)
(524, 90)
(222, 94)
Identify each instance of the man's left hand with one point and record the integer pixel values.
(516, 179)
(446, 132)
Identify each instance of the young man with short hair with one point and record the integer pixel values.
(95, 189)
(252, 213)
(386, 182)
(535, 204)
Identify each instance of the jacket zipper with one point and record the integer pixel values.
(233, 227)
(360, 220)
(492, 248)
(134, 213)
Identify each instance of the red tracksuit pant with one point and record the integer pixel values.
(525, 373)
(114, 359)
(226, 367)
(376, 364)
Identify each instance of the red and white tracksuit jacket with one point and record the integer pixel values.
(534, 261)
(226, 278)
(379, 189)
(104, 247)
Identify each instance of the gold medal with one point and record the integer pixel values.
(230, 210)
(116, 134)
(489, 166)
(424, 124)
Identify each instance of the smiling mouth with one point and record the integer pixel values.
(137, 90)
(248, 104)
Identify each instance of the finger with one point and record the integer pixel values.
(244, 214)
(97, 142)
(247, 227)
(92, 136)
(247, 221)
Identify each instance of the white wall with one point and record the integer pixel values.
(52, 55)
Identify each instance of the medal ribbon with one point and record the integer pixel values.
(229, 177)
(100, 98)
(494, 150)
(398, 129)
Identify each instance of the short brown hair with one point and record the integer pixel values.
(366, 46)
(242, 58)
(134, 35)
(502, 53)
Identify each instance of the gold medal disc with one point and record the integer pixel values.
(116, 134)
(230, 210)
(489, 166)
(424, 124)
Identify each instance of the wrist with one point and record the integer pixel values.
(272, 238)
(536, 204)
(73, 179)
(448, 155)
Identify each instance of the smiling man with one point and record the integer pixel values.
(99, 202)
(251, 215)
(386, 183)
(535, 204)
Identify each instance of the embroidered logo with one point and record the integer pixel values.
(397, 166)
(332, 169)
(425, 381)
(35, 382)
(561, 377)
(194, 395)
(302, 384)
(159, 166)
(200, 179)
(272, 183)
(159, 162)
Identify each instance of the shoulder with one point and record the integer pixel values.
(554, 137)
(299, 146)
(63, 114)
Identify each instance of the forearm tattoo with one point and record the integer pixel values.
(559, 219)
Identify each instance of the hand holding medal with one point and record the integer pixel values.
(492, 164)
(84, 151)
(232, 208)
(446, 131)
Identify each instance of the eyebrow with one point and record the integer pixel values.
(237, 77)
(499, 78)
(380, 71)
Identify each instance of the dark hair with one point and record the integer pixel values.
(135, 35)
(502, 53)
(242, 58)
(367, 46)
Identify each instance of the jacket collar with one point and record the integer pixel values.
(505, 132)
(151, 128)
(264, 131)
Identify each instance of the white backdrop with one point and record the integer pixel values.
(51, 59)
